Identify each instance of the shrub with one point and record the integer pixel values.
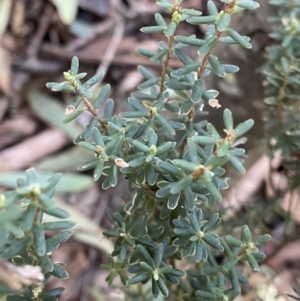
(282, 82)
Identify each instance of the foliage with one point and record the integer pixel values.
(282, 89)
(23, 240)
(173, 161)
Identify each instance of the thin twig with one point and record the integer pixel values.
(44, 23)
(93, 111)
(83, 41)
(113, 45)
(205, 58)
(166, 62)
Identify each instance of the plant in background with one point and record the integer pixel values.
(173, 161)
(282, 121)
(23, 240)
(282, 89)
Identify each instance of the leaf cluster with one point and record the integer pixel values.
(281, 73)
(23, 239)
(173, 160)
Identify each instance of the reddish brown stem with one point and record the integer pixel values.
(93, 112)
(166, 62)
(205, 58)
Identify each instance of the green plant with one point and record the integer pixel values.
(23, 241)
(282, 120)
(282, 89)
(173, 161)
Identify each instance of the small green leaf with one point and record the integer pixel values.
(183, 57)
(139, 278)
(252, 261)
(238, 38)
(88, 146)
(234, 241)
(230, 68)
(59, 272)
(165, 124)
(165, 147)
(98, 170)
(186, 69)
(54, 241)
(223, 22)
(212, 9)
(243, 127)
(164, 4)
(147, 267)
(45, 263)
(204, 140)
(28, 217)
(140, 146)
(191, 12)
(39, 239)
(197, 91)
(59, 225)
(16, 247)
(201, 20)
(246, 235)
(186, 107)
(173, 201)
(93, 80)
(109, 109)
(208, 45)
(228, 120)
(145, 255)
(185, 165)
(191, 40)
(74, 66)
(102, 96)
(155, 288)
(223, 149)
(205, 295)
(88, 165)
(158, 255)
(145, 52)
(149, 83)
(212, 131)
(153, 29)
(213, 190)
(179, 186)
(151, 175)
(57, 212)
(160, 20)
(170, 30)
(160, 55)
(216, 66)
(162, 286)
(237, 163)
(135, 114)
(145, 72)
(247, 4)
(262, 240)
(46, 201)
(175, 85)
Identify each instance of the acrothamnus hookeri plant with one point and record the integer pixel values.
(282, 88)
(23, 240)
(165, 234)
